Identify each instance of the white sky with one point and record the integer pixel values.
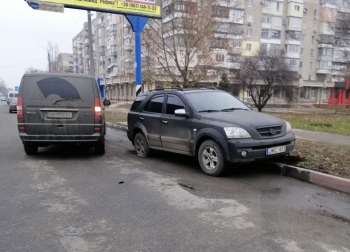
(23, 30)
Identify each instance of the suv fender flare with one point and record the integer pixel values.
(216, 136)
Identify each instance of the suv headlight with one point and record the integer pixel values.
(288, 127)
(235, 132)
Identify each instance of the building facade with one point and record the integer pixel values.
(65, 63)
(302, 29)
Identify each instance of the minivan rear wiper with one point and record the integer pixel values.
(231, 109)
(209, 110)
(62, 99)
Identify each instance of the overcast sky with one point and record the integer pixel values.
(23, 30)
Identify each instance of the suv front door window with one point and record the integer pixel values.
(175, 130)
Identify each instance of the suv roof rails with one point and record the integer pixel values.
(182, 89)
(159, 89)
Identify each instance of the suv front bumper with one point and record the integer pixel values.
(256, 148)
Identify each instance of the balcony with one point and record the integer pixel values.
(128, 47)
(113, 53)
(323, 71)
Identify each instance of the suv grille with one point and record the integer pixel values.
(269, 131)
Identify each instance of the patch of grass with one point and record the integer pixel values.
(321, 157)
(114, 116)
(330, 123)
(125, 106)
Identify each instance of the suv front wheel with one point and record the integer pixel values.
(210, 158)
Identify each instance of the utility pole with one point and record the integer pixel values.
(49, 59)
(91, 49)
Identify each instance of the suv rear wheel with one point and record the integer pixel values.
(141, 145)
(31, 149)
(210, 158)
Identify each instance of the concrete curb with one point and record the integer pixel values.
(117, 126)
(314, 177)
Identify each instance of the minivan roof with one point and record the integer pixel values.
(58, 75)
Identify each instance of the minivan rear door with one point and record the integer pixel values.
(58, 105)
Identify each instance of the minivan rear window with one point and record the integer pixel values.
(53, 88)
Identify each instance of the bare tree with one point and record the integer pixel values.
(53, 52)
(33, 70)
(3, 87)
(179, 48)
(264, 72)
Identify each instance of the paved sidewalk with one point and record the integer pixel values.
(322, 137)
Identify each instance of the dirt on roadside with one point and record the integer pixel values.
(322, 157)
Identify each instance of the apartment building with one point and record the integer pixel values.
(302, 29)
(65, 63)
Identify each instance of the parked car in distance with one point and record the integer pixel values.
(55, 108)
(13, 105)
(209, 124)
(3, 98)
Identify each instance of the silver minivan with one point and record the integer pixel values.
(54, 108)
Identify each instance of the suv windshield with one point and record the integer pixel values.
(215, 101)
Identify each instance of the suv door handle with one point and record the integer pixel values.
(142, 118)
(166, 122)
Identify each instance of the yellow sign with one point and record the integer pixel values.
(148, 8)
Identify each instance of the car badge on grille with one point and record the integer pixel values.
(272, 131)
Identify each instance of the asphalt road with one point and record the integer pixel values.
(68, 199)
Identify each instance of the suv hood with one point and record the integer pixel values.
(242, 118)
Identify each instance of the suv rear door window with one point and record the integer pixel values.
(173, 103)
(137, 102)
(155, 105)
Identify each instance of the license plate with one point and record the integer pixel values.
(59, 115)
(275, 150)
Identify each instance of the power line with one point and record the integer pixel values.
(70, 31)
(18, 64)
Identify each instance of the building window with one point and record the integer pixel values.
(293, 48)
(249, 32)
(237, 43)
(313, 39)
(312, 94)
(325, 94)
(312, 52)
(250, 18)
(302, 38)
(296, 7)
(293, 62)
(250, 3)
(300, 64)
(220, 57)
(301, 50)
(335, 93)
(267, 4)
(263, 47)
(315, 13)
(266, 19)
(310, 65)
(276, 21)
(278, 6)
(304, 25)
(347, 94)
(264, 33)
(295, 22)
(248, 47)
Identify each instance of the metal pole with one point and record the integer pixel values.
(137, 23)
(91, 49)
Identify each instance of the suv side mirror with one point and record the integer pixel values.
(181, 113)
(106, 102)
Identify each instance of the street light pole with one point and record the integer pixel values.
(91, 49)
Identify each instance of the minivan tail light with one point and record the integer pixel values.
(98, 109)
(19, 108)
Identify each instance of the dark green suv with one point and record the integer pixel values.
(209, 124)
